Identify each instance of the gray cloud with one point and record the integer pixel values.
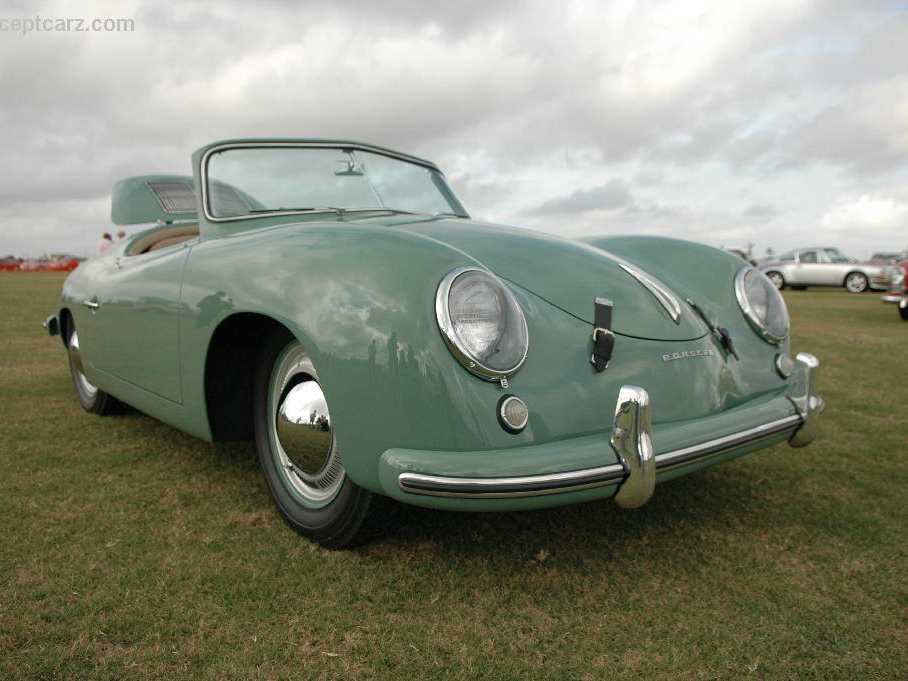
(708, 108)
(610, 196)
(760, 210)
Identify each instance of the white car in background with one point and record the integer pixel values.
(824, 267)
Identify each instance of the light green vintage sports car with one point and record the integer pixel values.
(334, 301)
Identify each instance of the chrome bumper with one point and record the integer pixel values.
(635, 474)
(892, 298)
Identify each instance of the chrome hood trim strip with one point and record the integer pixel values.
(660, 291)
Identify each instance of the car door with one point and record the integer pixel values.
(805, 270)
(827, 272)
(136, 322)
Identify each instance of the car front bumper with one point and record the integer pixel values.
(892, 297)
(625, 467)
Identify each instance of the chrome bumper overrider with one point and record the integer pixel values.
(631, 440)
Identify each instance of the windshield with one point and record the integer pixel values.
(259, 180)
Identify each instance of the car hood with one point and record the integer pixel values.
(567, 274)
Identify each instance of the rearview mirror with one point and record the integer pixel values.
(348, 167)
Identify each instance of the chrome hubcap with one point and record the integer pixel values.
(303, 432)
(775, 279)
(75, 357)
(856, 283)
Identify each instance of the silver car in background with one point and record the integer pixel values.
(824, 267)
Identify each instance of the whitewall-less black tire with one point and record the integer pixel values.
(299, 455)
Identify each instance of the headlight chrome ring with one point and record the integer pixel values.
(758, 322)
(456, 343)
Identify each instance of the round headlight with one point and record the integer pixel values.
(762, 304)
(897, 277)
(481, 322)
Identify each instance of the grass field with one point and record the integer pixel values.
(129, 550)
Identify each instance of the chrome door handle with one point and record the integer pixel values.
(92, 304)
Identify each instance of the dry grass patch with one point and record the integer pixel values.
(130, 550)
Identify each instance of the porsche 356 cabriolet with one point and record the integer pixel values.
(334, 302)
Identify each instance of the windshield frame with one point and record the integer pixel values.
(342, 146)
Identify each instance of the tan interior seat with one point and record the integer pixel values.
(164, 237)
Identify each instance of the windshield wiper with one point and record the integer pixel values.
(340, 210)
(281, 209)
(306, 209)
(383, 209)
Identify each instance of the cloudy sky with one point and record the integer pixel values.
(776, 122)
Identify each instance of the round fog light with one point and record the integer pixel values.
(512, 413)
(784, 365)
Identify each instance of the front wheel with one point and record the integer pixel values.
(298, 451)
(91, 398)
(903, 309)
(856, 282)
(777, 279)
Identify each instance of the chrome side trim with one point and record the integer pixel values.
(632, 442)
(572, 481)
(659, 290)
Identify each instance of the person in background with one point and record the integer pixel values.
(121, 235)
(104, 242)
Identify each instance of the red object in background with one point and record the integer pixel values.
(898, 287)
(67, 264)
(899, 290)
(61, 266)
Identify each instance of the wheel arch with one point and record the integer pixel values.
(850, 272)
(66, 325)
(230, 365)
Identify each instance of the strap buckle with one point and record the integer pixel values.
(599, 330)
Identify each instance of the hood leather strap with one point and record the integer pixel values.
(603, 338)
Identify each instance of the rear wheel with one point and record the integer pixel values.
(299, 455)
(92, 399)
(777, 279)
(903, 309)
(856, 282)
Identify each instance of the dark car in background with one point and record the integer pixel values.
(887, 258)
